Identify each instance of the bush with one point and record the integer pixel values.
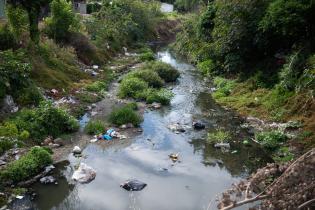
(219, 136)
(95, 127)
(129, 87)
(147, 56)
(28, 96)
(7, 40)
(14, 71)
(224, 86)
(206, 67)
(125, 115)
(45, 120)
(18, 21)
(6, 144)
(97, 86)
(62, 21)
(151, 77)
(271, 140)
(164, 70)
(162, 96)
(27, 166)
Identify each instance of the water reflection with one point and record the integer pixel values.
(201, 173)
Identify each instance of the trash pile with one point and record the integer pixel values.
(109, 135)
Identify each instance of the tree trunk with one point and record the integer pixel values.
(33, 16)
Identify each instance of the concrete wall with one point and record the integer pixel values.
(2, 8)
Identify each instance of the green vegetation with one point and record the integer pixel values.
(271, 140)
(97, 86)
(62, 21)
(44, 121)
(164, 70)
(125, 115)
(219, 136)
(146, 82)
(95, 127)
(27, 166)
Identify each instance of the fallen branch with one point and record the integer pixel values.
(240, 203)
(307, 203)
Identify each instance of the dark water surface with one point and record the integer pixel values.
(202, 173)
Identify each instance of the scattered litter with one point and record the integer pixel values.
(48, 180)
(95, 67)
(156, 105)
(234, 152)
(84, 174)
(77, 150)
(174, 157)
(94, 140)
(222, 145)
(133, 185)
(19, 197)
(54, 91)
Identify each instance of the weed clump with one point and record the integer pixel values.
(129, 87)
(162, 96)
(27, 166)
(97, 86)
(124, 115)
(164, 70)
(271, 140)
(219, 136)
(45, 120)
(151, 77)
(95, 127)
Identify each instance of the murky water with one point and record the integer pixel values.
(202, 173)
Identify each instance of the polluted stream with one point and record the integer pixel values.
(201, 173)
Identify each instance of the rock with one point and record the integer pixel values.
(2, 163)
(133, 185)
(129, 125)
(123, 126)
(84, 174)
(156, 105)
(47, 141)
(59, 141)
(49, 168)
(199, 125)
(222, 145)
(176, 128)
(93, 106)
(54, 145)
(8, 105)
(47, 180)
(95, 67)
(77, 150)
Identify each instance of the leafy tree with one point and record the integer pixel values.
(33, 8)
(62, 20)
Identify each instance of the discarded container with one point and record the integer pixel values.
(107, 137)
(133, 185)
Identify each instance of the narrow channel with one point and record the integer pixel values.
(189, 184)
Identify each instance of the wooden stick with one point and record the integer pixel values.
(306, 203)
(240, 203)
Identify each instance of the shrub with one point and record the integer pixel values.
(147, 56)
(283, 155)
(6, 144)
(14, 71)
(129, 87)
(206, 67)
(18, 21)
(28, 96)
(27, 166)
(164, 70)
(95, 127)
(124, 115)
(45, 120)
(162, 96)
(97, 86)
(271, 140)
(219, 136)
(62, 21)
(7, 40)
(151, 77)
(224, 86)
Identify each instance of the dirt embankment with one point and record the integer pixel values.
(288, 186)
(166, 30)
